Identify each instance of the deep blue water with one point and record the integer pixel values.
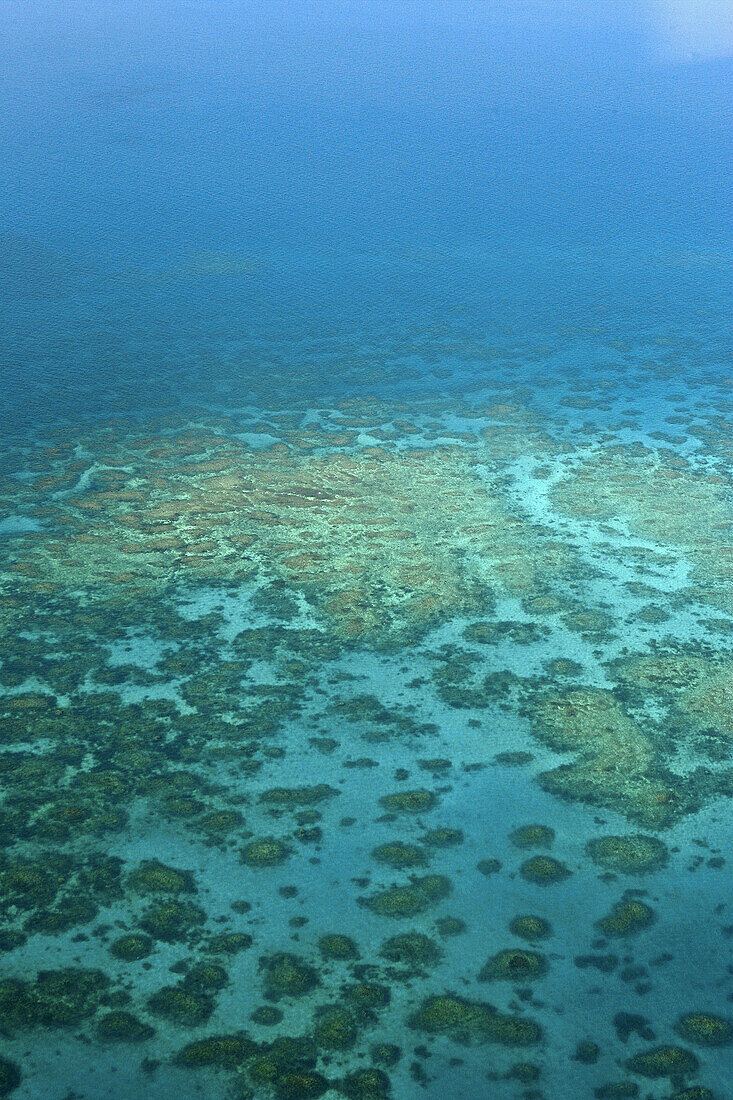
(506, 168)
(325, 278)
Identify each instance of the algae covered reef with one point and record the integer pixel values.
(338, 747)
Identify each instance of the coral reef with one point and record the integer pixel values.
(530, 927)
(628, 855)
(664, 501)
(513, 965)
(228, 1051)
(626, 918)
(173, 921)
(414, 950)
(368, 1083)
(664, 1061)
(254, 584)
(10, 1076)
(286, 975)
(300, 1084)
(132, 947)
(399, 855)
(123, 1027)
(409, 900)
(56, 998)
(544, 870)
(705, 1029)
(532, 836)
(366, 996)
(334, 1028)
(336, 945)
(368, 536)
(450, 926)
(413, 802)
(386, 1053)
(443, 837)
(266, 1016)
(265, 852)
(154, 877)
(619, 765)
(182, 1004)
(464, 1020)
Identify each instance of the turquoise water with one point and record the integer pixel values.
(366, 580)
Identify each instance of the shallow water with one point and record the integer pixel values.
(366, 579)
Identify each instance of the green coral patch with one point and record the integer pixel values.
(635, 854)
(154, 877)
(464, 1020)
(399, 855)
(123, 1027)
(544, 870)
(10, 1076)
(410, 899)
(705, 1028)
(626, 918)
(530, 927)
(227, 1051)
(514, 965)
(533, 836)
(287, 975)
(414, 950)
(417, 801)
(265, 852)
(664, 1061)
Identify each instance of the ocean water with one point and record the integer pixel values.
(366, 575)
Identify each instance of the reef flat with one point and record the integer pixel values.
(340, 743)
(420, 535)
